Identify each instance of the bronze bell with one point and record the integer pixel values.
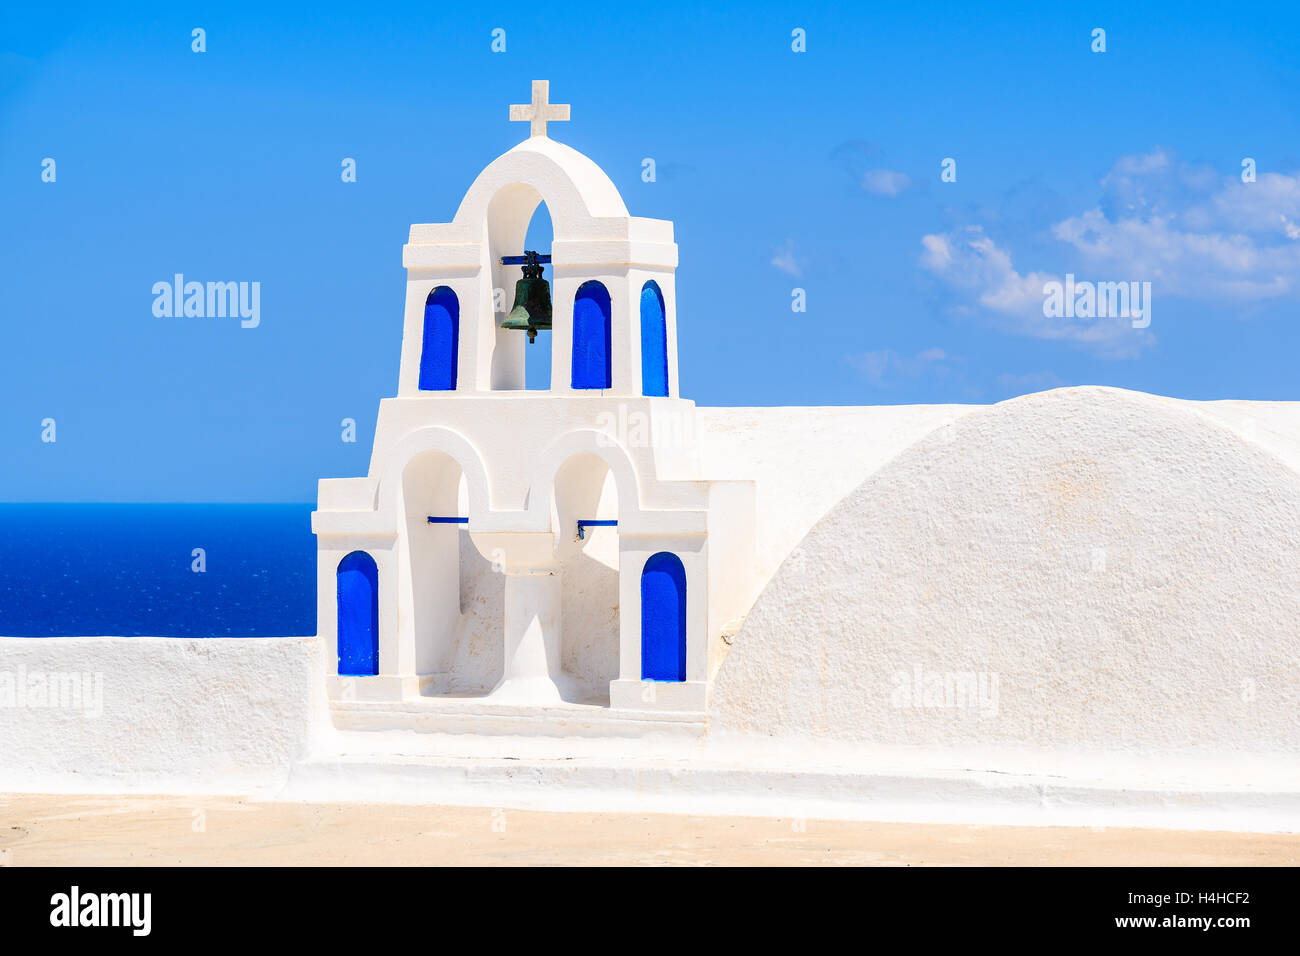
(532, 310)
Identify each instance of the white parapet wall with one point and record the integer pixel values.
(123, 714)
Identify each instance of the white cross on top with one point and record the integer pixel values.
(539, 111)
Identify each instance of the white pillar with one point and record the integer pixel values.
(532, 636)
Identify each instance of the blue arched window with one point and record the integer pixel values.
(358, 630)
(441, 341)
(654, 341)
(591, 337)
(663, 618)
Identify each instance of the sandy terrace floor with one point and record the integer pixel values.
(42, 830)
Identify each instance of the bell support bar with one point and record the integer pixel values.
(527, 259)
(583, 525)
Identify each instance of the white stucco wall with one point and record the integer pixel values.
(1128, 567)
(804, 460)
(589, 607)
(1273, 426)
(216, 714)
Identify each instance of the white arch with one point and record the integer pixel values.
(541, 486)
(576, 191)
(452, 444)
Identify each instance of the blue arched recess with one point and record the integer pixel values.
(441, 341)
(591, 337)
(654, 341)
(358, 594)
(663, 618)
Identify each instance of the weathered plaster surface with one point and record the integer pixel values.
(1129, 570)
(217, 714)
(804, 460)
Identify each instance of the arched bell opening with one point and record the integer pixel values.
(584, 516)
(537, 353)
(519, 223)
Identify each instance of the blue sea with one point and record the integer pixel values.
(68, 569)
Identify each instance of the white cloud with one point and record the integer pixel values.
(1217, 264)
(885, 182)
(975, 266)
(785, 260)
(972, 262)
(1189, 231)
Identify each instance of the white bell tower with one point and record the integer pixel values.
(531, 548)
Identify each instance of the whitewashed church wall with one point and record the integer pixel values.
(804, 460)
(210, 714)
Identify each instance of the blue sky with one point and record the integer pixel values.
(817, 170)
